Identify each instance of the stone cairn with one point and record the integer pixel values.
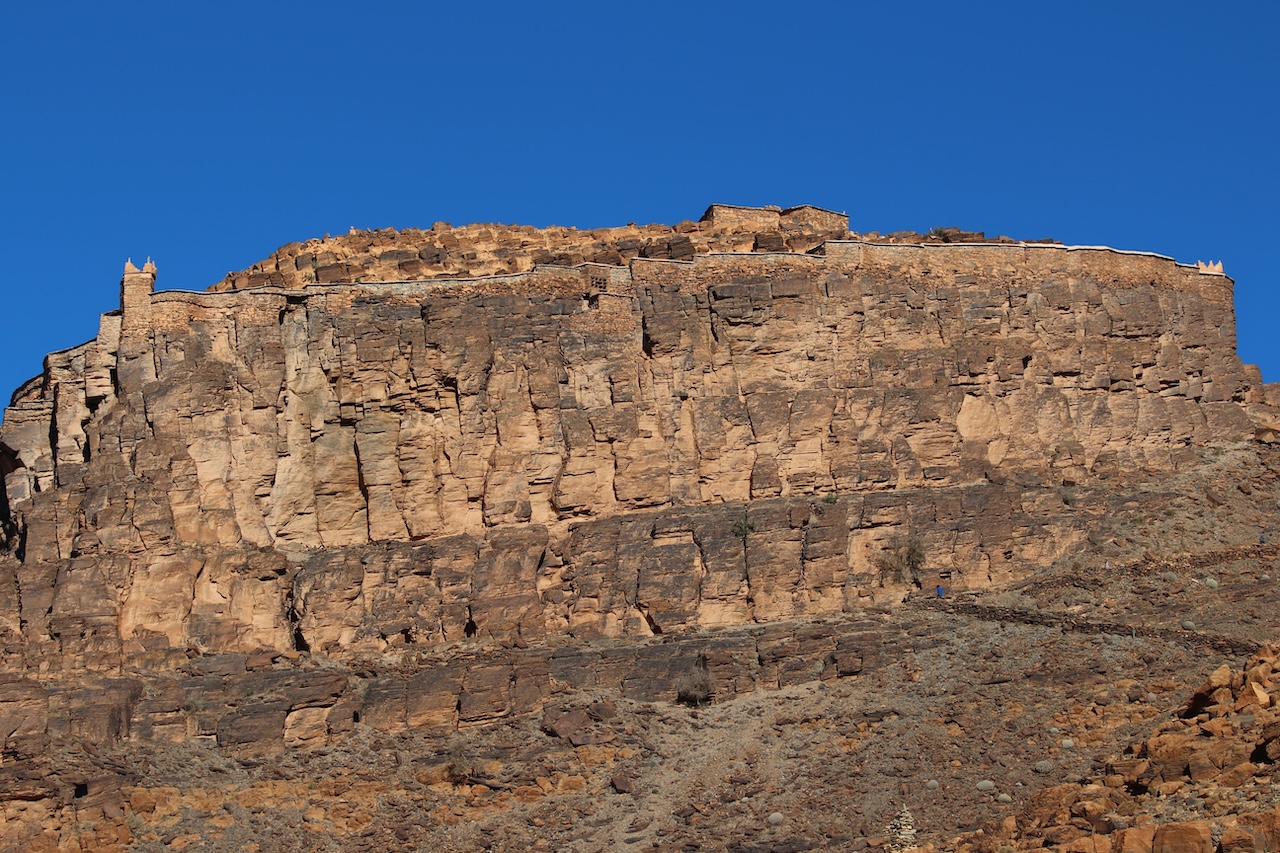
(902, 832)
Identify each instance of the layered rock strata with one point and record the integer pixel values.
(596, 451)
(468, 475)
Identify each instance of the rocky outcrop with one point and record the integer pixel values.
(598, 451)
(497, 420)
(447, 486)
(1175, 789)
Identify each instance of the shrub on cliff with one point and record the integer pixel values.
(696, 688)
(902, 559)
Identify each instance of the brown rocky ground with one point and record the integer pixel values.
(1072, 693)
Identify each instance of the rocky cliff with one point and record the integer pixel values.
(423, 480)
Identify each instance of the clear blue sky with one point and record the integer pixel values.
(206, 135)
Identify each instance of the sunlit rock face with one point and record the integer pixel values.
(351, 451)
(352, 464)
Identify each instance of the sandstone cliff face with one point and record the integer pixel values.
(594, 451)
(484, 468)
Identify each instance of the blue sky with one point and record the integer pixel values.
(206, 135)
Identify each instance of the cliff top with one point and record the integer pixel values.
(485, 249)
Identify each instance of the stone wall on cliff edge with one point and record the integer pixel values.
(597, 451)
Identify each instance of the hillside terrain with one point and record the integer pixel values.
(741, 534)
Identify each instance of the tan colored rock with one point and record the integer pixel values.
(1239, 839)
(1265, 826)
(1220, 677)
(387, 413)
(306, 727)
(1089, 844)
(1137, 839)
(1253, 694)
(1194, 836)
(375, 454)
